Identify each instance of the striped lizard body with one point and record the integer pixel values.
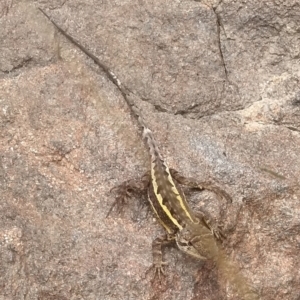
(192, 233)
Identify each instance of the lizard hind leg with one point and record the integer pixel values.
(194, 184)
(127, 189)
(204, 218)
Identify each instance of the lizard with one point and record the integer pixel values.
(193, 233)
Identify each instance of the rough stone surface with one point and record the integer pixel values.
(218, 83)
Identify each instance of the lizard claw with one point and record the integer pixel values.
(216, 230)
(218, 233)
(158, 269)
(123, 192)
(126, 190)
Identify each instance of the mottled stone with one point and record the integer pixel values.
(218, 83)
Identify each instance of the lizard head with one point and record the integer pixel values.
(199, 243)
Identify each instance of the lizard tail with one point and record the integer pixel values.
(147, 135)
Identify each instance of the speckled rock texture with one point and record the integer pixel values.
(219, 85)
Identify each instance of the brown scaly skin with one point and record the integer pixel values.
(193, 235)
(176, 231)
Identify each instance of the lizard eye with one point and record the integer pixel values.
(183, 243)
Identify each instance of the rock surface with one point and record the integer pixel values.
(218, 83)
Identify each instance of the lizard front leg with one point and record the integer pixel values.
(215, 229)
(157, 244)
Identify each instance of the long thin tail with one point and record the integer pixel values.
(147, 133)
(110, 74)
